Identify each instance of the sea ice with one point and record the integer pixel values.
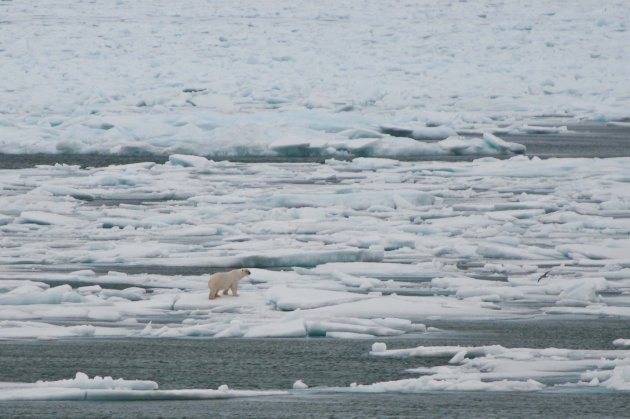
(217, 98)
(365, 247)
(83, 388)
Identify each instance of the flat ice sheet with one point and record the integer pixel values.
(83, 388)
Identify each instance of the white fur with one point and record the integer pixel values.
(225, 281)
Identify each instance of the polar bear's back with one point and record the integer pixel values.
(225, 279)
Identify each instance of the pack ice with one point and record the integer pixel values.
(347, 249)
(246, 79)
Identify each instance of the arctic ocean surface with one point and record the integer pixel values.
(274, 363)
(433, 199)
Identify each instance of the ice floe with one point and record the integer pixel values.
(496, 368)
(83, 388)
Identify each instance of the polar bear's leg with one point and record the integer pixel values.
(213, 294)
(225, 291)
(233, 288)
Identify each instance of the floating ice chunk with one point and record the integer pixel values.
(299, 385)
(411, 308)
(135, 148)
(234, 330)
(84, 330)
(507, 268)
(323, 328)
(379, 347)
(283, 258)
(619, 379)
(380, 270)
(357, 133)
(622, 342)
(349, 335)
(45, 218)
(287, 299)
(578, 251)
(291, 146)
(354, 200)
(287, 329)
(363, 163)
(464, 383)
(583, 292)
(60, 394)
(501, 146)
(420, 351)
(148, 330)
(25, 286)
(419, 133)
(354, 281)
(497, 364)
(84, 273)
(394, 323)
(38, 330)
(220, 103)
(458, 357)
(495, 294)
(84, 382)
(490, 144)
(498, 251)
(29, 294)
(537, 129)
(188, 161)
(132, 293)
(59, 190)
(83, 388)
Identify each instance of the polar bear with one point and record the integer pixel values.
(225, 281)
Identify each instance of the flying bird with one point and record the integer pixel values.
(544, 275)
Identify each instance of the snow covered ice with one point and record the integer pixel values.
(304, 79)
(340, 249)
(107, 389)
(495, 368)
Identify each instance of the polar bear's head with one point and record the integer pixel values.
(245, 272)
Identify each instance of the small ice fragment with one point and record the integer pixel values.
(419, 327)
(299, 385)
(85, 330)
(379, 347)
(148, 329)
(223, 388)
(621, 342)
(458, 357)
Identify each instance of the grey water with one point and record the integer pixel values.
(592, 139)
(319, 362)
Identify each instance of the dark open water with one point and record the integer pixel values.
(277, 363)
